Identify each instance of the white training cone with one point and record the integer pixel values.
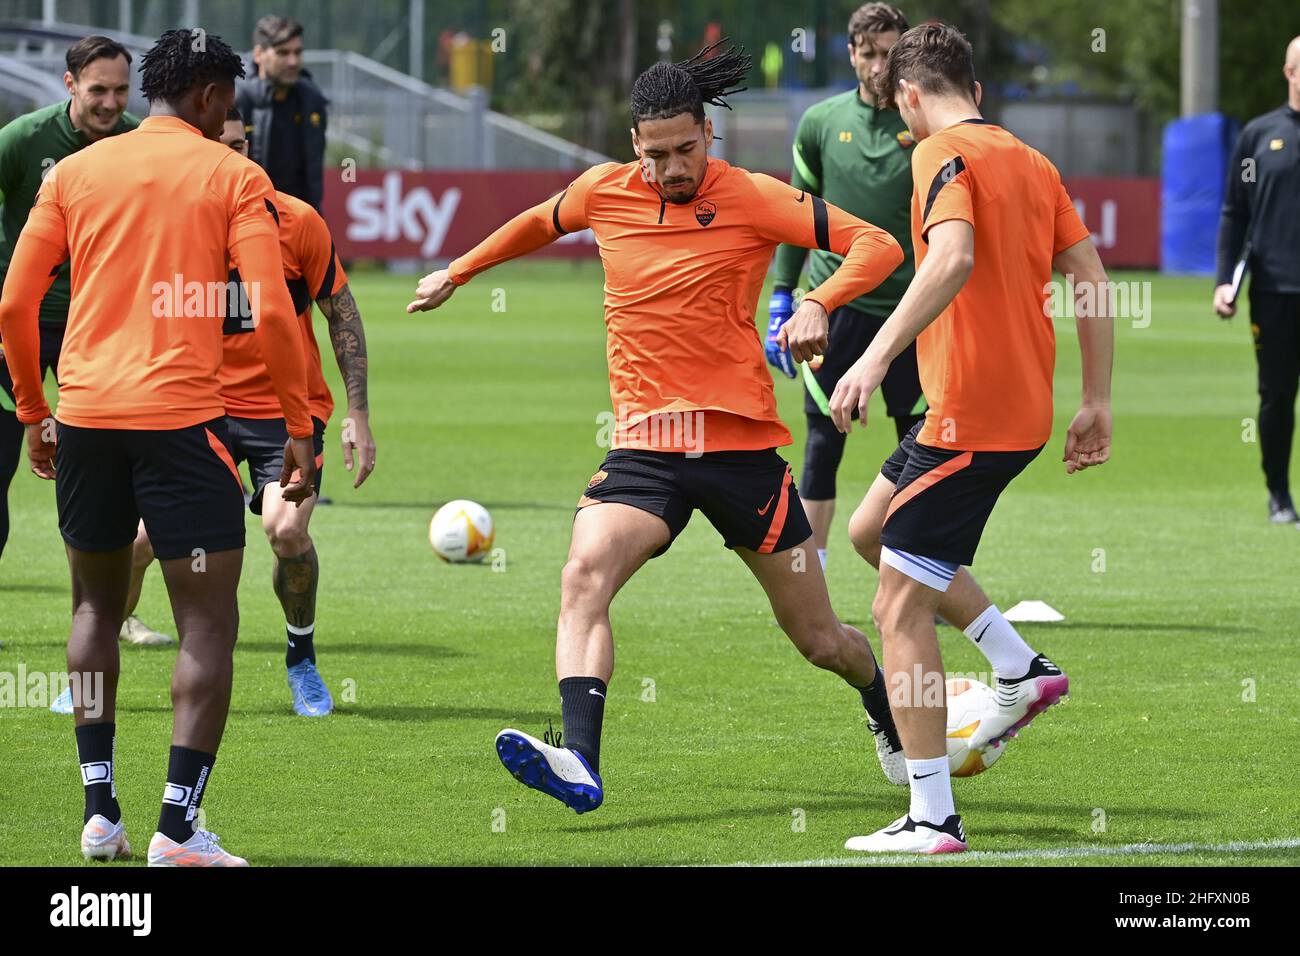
(1038, 611)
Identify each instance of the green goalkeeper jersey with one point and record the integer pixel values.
(29, 147)
(857, 157)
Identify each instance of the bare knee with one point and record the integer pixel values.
(888, 611)
(584, 585)
(820, 642)
(895, 615)
(826, 651)
(864, 532)
(287, 537)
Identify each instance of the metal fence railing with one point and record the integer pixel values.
(378, 116)
(403, 121)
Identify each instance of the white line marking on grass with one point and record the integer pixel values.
(1061, 853)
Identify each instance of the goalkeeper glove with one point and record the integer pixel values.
(780, 308)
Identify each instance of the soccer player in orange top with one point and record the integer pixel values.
(257, 427)
(150, 220)
(686, 241)
(990, 220)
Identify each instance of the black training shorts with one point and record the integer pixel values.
(260, 442)
(943, 497)
(749, 496)
(181, 481)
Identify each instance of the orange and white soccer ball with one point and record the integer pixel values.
(461, 532)
(969, 703)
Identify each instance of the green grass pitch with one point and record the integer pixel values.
(721, 745)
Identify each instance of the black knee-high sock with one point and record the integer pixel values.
(582, 701)
(188, 772)
(95, 753)
(875, 697)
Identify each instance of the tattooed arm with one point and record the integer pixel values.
(348, 338)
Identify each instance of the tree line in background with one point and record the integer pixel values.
(568, 65)
(573, 61)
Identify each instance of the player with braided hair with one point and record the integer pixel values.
(685, 240)
(666, 89)
(151, 221)
(184, 60)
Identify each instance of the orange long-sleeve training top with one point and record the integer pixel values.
(682, 283)
(151, 219)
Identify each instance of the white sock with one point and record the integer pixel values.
(821, 556)
(998, 641)
(931, 790)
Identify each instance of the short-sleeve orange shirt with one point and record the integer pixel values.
(986, 362)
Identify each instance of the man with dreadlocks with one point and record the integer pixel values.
(150, 220)
(685, 241)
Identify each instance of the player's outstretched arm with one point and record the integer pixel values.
(946, 267)
(527, 232)
(432, 291)
(1087, 442)
(348, 338)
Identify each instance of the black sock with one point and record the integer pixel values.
(301, 646)
(875, 697)
(582, 701)
(95, 753)
(187, 777)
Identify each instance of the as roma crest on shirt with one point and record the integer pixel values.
(704, 212)
(906, 139)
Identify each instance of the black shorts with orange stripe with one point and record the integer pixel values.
(749, 496)
(182, 482)
(260, 442)
(943, 498)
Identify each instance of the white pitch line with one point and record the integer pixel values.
(1061, 853)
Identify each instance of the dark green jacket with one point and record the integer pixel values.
(29, 147)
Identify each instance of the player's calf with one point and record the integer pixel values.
(845, 651)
